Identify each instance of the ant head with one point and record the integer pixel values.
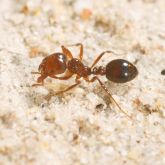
(53, 64)
(120, 71)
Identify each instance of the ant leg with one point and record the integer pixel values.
(109, 94)
(34, 85)
(35, 73)
(52, 76)
(41, 78)
(38, 84)
(40, 81)
(81, 50)
(48, 97)
(67, 52)
(69, 88)
(100, 56)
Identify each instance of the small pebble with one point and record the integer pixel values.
(163, 72)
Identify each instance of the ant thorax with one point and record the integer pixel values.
(100, 70)
(77, 67)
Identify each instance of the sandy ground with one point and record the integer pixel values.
(82, 126)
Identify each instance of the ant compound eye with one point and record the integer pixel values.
(120, 71)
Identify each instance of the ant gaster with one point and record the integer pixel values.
(119, 70)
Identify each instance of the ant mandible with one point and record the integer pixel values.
(118, 71)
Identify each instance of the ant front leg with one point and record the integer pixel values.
(109, 94)
(40, 80)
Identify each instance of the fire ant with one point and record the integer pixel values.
(118, 71)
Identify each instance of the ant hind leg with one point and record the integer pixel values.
(101, 55)
(109, 94)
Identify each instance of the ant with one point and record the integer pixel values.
(118, 71)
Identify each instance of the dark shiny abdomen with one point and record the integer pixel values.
(120, 71)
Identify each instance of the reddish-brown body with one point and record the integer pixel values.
(119, 70)
(51, 65)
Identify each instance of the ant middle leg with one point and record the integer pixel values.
(81, 50)
(67, 52)
(109, 94)
(40, 80)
